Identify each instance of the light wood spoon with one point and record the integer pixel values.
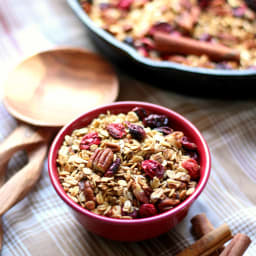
(2, 178)
(49, 89)
(16, 188)
(53, 87)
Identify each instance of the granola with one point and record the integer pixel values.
(227, 22)
(128, 165)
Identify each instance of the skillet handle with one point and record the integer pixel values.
(22, 137)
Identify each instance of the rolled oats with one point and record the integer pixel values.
(122, 174)
(227, 22)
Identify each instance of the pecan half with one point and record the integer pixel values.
(101, 159)
(167, 204)
(113, 146)
(88, 191)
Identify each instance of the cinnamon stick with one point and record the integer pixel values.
(237, 246)
(183, 45)
(201, 226)
(209, 242)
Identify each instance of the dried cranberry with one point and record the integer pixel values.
(155, 120)
(193, 155)
(137, 131)
(113, 168)
(117, 131)
(148, 191)
(133, 214)
(90, 139)
(161, 27)
(188, 144)
(164, 129)
(152, 168)
(203, 4)
(124, 4)
(147, 210)
(141, 112)
(192, 167)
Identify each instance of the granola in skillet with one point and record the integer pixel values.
(227, 22)
(128, 166)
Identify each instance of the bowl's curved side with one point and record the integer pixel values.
(137, 229)
(132, 232)
(130, 52)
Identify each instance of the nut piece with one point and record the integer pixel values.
(139, 193)
(101, 159)
(167, 204)
(175, 139)
(113, 146)
(157, 194)
(88, 191)
(90, 205)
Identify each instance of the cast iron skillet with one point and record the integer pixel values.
(173, 74)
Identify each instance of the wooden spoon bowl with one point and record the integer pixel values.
(53, 87)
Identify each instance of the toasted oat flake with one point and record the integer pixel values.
(87, 171)
(155, 183)
(229, 23)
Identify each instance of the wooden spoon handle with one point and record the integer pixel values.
(18, 186)
(22, 137)
(2, 178)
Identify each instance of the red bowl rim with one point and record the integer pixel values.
(59, 189)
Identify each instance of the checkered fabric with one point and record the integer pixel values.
(42, 224)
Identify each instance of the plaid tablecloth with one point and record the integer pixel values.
(42, 224)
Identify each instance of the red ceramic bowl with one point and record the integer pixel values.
(136, 229)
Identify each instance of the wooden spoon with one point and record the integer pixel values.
(53, 87)
(49, 89)
(24, 180)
